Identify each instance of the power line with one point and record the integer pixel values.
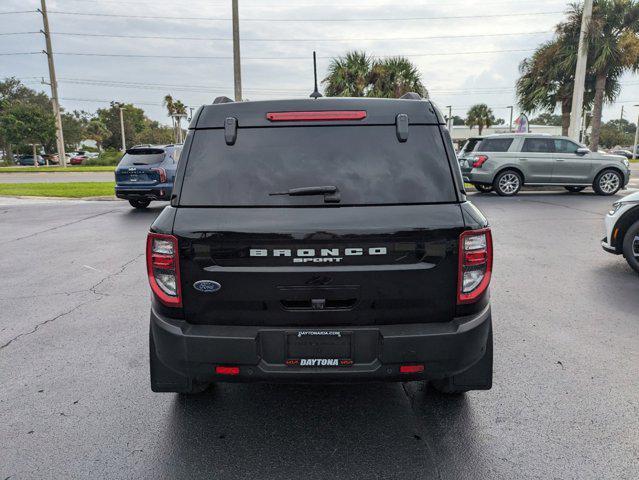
(297, 20)
(18, 33)
(20, 53)
(18, 11)
(217, 39)
(209, 57)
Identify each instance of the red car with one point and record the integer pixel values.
(78, 160)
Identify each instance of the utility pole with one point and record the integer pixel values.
(635, 154)
(237, 66)
(621, 118)
(122, 129)
(450, 120)
(54, 85)
(510, 125)
(580, 73)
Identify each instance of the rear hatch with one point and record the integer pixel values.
(383, 252)
(139, 167)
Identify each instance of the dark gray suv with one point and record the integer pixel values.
(506, 162)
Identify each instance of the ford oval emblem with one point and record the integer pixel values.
(207, 286)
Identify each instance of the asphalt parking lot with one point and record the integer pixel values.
(75, 400)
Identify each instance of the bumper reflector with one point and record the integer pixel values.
(411, 368)
(221, 370)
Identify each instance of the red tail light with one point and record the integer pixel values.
(475, 264)
(479, 161)
(325, 115)
(161, 172)
(163, 267)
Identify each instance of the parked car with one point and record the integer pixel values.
(26, 160)
(146, 173)
(622, 230)
(51, 158)
(77, 160)
(506, 162)
(625, 153)
(320, 240)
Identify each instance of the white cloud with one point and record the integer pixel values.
(454, 79)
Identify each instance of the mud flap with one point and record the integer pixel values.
(477, 377)
(163, 379)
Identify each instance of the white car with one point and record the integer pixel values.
(622, 230)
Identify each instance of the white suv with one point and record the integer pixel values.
(622, 230)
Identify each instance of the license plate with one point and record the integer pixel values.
(312, 348)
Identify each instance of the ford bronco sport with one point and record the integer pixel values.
(325, 240)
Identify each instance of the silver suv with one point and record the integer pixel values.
(506, 162)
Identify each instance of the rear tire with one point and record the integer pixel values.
(574, 189)
(607, 183)
(140, 204)
(477, 377)
(507, 183)
(483, 188)
(631, 246)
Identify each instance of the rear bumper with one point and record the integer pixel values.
(155, 192)
(445, 349)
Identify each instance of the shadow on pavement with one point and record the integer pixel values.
(305, 431)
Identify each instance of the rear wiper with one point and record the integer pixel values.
(330, 192)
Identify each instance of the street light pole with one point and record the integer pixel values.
(634, 152)
(450, 119)
(122, 129)
(510, 125)
(580, 73)
(54, 85)
(237, 67)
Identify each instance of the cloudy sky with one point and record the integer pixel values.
(467, 51)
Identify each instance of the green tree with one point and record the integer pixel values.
(156, 134)
(480, 116)
(74, 127)
(548, 119)
(97, 131)
(357, 75)
(134, 123)
(12, 91)
(24, 123)
(613, 49)
(348, 76)
(175, 107)
(393, 77)
(612, 135)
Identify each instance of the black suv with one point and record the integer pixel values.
(320, 240)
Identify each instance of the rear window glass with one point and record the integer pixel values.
(470, 145)
(538, 145)
(367, 164)
(147, 156)
(494, 145)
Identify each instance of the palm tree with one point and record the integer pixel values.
(542, 84)
(393, 77)
(97, 131)
(547, 78)
(480, 115)
(348, 75)
(613, 49)
(357, 75)
(175, 108)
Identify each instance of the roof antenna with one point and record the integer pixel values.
(316, 94)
